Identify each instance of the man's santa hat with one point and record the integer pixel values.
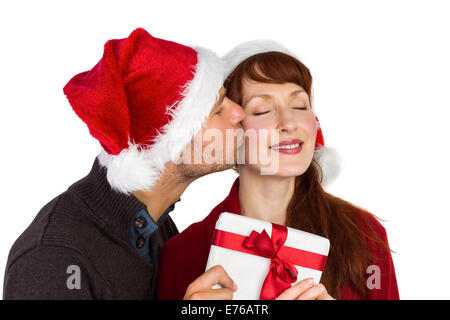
(328, 158)
(144, 101)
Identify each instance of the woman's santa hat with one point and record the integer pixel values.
(328, 158)
(144, 101)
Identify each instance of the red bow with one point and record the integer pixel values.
(282, 273)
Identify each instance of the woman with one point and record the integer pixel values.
(274, 88)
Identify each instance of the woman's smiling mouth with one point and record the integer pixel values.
(288, 146)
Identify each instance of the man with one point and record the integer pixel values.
(148, 102)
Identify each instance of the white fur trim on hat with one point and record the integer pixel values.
(137, 169)
(247, 49)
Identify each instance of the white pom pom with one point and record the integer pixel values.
(331, 163)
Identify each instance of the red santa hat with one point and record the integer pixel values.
(328, 158)
(144, 101)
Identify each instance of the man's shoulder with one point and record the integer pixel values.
(56, 224)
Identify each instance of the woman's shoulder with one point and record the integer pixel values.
(373, 233)
(369, 222)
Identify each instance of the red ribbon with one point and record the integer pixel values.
(282, 272)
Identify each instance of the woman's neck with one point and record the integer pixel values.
(264, 197)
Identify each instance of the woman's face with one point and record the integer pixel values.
(286, 109)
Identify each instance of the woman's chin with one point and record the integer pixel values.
(282, 171)
(291, 171)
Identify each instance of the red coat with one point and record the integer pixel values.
(183, 257)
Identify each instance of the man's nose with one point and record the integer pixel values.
(236, 113)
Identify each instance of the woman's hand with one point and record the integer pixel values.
(306, 290)
(200, 289)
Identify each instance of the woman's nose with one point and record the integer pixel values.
(286, 122)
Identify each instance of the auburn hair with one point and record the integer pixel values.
(348, 227)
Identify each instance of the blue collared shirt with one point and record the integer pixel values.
(141, 228)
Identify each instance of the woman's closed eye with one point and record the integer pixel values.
(260, 113)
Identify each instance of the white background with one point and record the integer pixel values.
(381, 81)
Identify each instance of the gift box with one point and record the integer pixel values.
(265, 259)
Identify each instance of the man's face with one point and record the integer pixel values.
(214, 147)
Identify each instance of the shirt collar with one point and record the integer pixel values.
(142, 227)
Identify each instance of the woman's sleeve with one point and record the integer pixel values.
(381, 279)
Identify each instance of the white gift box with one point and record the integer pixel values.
(249, 270)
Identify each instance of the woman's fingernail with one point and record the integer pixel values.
(235, 287)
